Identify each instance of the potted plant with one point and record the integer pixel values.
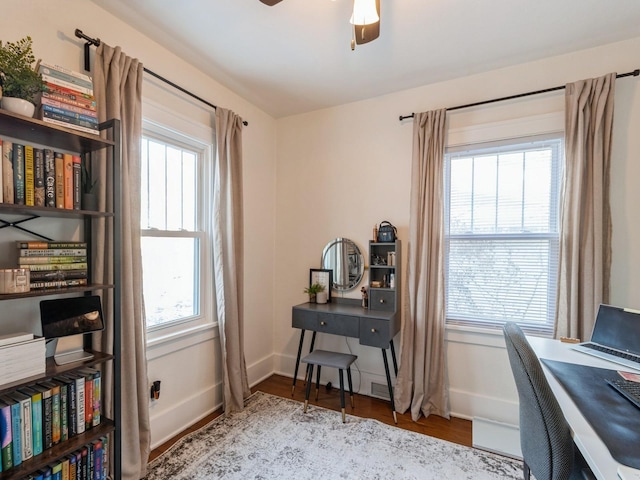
(312, 290)
(19, 78)
(89, 197)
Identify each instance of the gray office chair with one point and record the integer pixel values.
(548, 450)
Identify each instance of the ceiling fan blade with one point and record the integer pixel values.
(271, 3)
(367, 33)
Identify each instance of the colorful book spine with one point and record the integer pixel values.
(38, 176)
(55, 412)
(57, 275)
(67, 159)
(56, 471)
(62, 73)
(37, 245)
(78, 282)
(68, 85)
(77, 181)
(50, 267)
(25, 423)
(59, 173)
(97, 398)
(52, 252)
(29, 176)
(7, 172)
(64, 123)
(49, 178)
(16, 430)
(67, 98)
(69, 119)
(73, 474)
(47, 416)
(97, 460)
(51, 260)
(36, 418)
(71, 404)
(69, 107)
(90, 119)
(6, 444)
(88, 401)
(18, 173)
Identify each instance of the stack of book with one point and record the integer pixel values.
(22, 355)
(67, 98)
(36, 417)
(54, 264)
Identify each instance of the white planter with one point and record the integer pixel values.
(18, 105)
(321, 297)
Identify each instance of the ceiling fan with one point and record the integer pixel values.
(365, 20)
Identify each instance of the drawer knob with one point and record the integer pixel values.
(373, 330)
(323, 323)
(382, 300)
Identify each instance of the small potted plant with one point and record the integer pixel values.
(313, 290)
(19, 79)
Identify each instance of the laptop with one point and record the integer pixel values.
(615, 336)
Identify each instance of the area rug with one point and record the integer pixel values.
(273, 439)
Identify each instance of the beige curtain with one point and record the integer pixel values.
(118, 91)
(228, 257)
(421, 384)
(585, 241)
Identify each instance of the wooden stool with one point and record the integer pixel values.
(323, 358)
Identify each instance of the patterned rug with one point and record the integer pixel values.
(273, 439)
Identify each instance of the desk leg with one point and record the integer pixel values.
(386, 370)
(313, 341)
(393, 357)
(295, 372)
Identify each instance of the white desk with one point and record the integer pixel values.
(593, 449)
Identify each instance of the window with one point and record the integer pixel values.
(501, 232)
(173, 239)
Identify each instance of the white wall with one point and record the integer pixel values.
(341, 170)
(184, 398)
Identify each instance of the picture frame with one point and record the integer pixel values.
(324, 277)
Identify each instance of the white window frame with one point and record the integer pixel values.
(166, 126)
(552, 236)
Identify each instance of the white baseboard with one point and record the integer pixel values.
(496, 437)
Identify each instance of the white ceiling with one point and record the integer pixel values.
(295, 57)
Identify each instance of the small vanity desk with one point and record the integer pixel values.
(347, 317)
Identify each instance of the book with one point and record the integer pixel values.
(97, 459)
(65, 468)
(29, 177)
(16, 430)
(45, 267)
(11, 338)
(55, 411)
(65, 406)
(57, 275)
(49, 178)
(90, 120)
(67, 159)
(78, 282)
(105, 457)
(84, 463)
(25, 423)
(56, 471)
(68, 99)
(70, 107)
(63, 123)
(71, 404)
(47, 78)
(59, 175)
(77, 182)
(73, 475)
(79, 381)
(51, 259)
(52, 252)
(18, 174)
(88, 399)
(6, 443)
(69, 119)
(93, 378)
(38, 176)
(38, 245)
(47, 415)
(36, 417)
(7, 172)
(70, 76)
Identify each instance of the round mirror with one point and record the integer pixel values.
(345, 259)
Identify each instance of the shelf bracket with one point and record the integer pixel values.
(16, 224)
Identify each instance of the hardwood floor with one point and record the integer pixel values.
(455, 430)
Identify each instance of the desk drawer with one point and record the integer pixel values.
(304, 319)
(375, 332)
(384, 300)
(344, 325)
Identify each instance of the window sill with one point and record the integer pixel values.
(161, 345)
(486, 336)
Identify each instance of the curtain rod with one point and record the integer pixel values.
(634, 73)
(96, 42)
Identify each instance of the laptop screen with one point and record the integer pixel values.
(617, 328)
